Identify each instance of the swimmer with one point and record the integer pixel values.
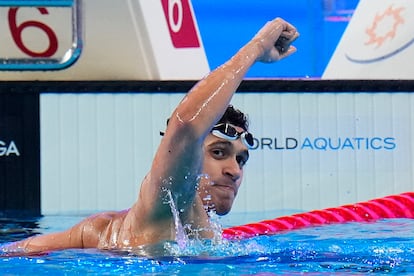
(199, 161)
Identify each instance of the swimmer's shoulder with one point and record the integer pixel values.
(94, 227)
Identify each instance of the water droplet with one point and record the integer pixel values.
(207, 197)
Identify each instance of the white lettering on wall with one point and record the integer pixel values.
(8, 149)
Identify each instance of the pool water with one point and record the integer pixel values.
(382, 247)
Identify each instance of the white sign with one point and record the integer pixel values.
(121, 40)
(38, 38)
(377, 44)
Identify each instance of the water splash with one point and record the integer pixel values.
(207, 198)
(183, 232)
(188, 240)
(180, 234)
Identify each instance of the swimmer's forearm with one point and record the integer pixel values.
(209, 98)
(23, 247)
(42, 244)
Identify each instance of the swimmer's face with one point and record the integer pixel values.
(223, 165)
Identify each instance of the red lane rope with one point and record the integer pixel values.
(394, 206)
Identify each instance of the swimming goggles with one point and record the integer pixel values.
(228, 132)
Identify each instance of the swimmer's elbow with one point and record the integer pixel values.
(185, 132)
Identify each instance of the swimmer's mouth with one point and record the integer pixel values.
(226, 187)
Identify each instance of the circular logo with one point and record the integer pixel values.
(388, 33)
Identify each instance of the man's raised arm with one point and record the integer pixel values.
(178, 161)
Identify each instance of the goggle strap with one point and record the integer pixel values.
(222, 135)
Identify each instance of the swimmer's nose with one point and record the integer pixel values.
(232, 169)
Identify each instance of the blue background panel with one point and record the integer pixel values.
(226, 25)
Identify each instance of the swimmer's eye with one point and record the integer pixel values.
(218, 153)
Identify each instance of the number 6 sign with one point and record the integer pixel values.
(40, 35)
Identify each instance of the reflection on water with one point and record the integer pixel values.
(16, 229)
(386, 246)
(13, 229)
